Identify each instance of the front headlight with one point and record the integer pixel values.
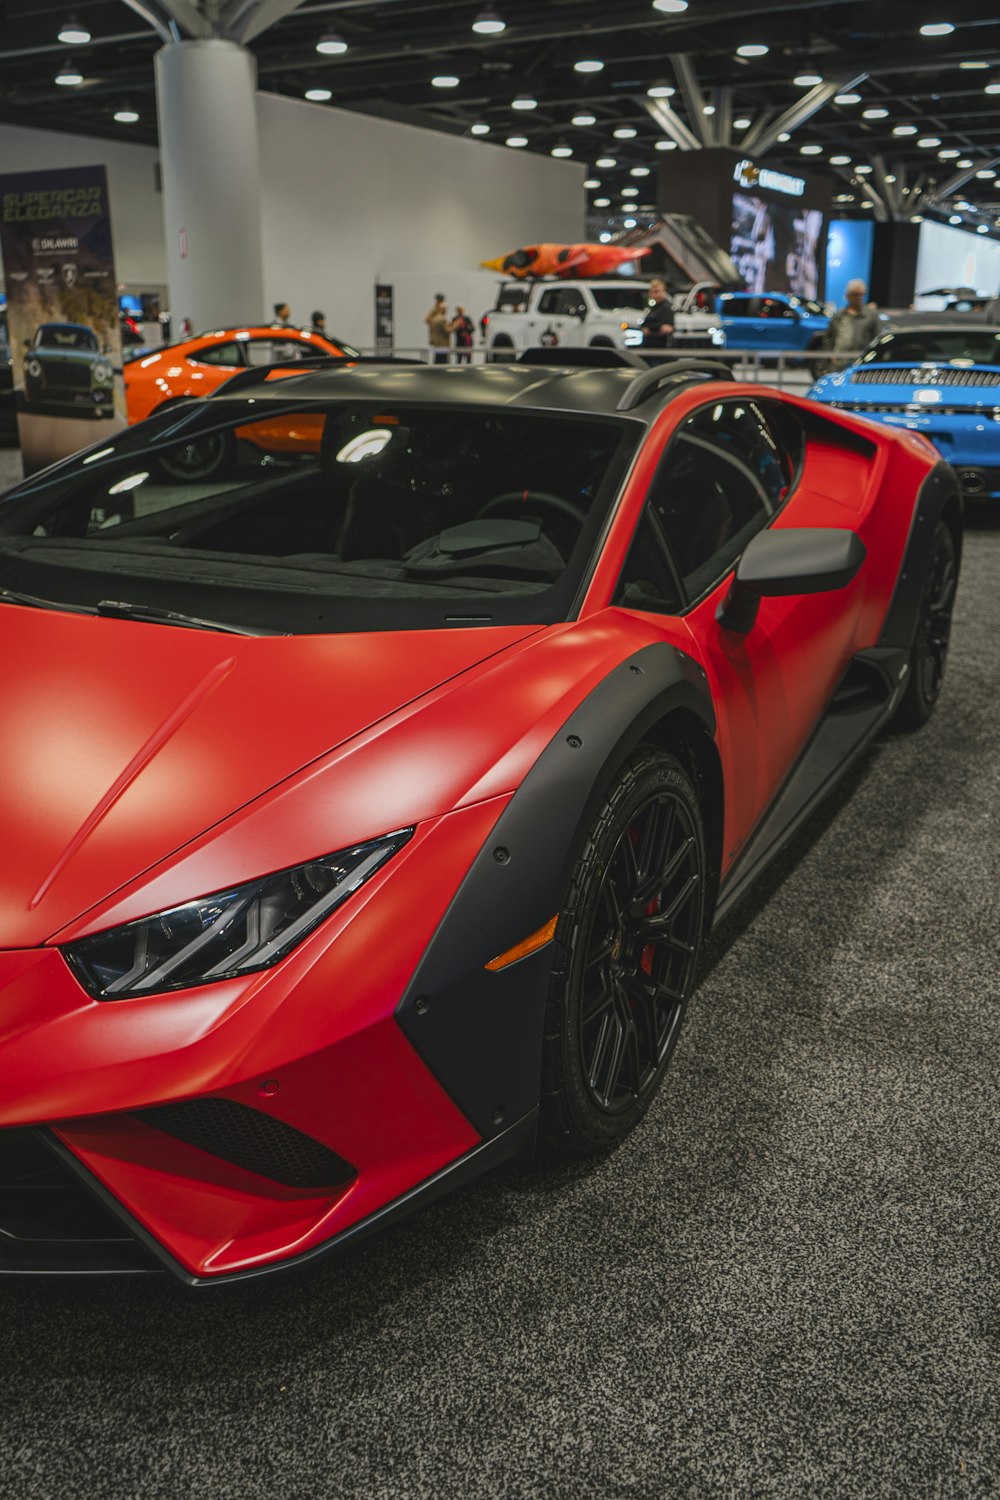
(231, 933)
(103, 373)
(717, 335)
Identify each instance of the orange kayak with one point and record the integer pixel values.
(564, 260)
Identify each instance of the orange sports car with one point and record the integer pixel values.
(198, 366)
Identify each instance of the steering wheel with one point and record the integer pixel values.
(518, 498)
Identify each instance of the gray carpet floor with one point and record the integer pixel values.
(784, 1284)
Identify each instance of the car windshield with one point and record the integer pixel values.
(962, 346)
(55, 337)
(323, 517)
(610, 298)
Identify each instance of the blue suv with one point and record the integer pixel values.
(771, 321)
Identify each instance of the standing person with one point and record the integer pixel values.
(658, 324)
(462, 327)
(438, 330)
(282, 317)
(318, 324)
(853, 326)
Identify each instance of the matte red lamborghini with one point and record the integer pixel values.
(378, 746)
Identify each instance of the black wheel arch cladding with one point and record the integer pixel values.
(939, 498)
(480, 1032)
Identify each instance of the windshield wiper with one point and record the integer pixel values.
(35, 601)
(121, 609)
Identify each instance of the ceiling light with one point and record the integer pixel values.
(584, 120)
(866, 204)
(488, 23)
(985, 172)
(666, 146)
(644, 172)
(517, 140)
(807, 80)
(524, 101)
(625, 133)
(661, 91)
(949, 155)
(847, 98)
(332, 44)
(318, 96)
(480, 128)
(904, 130)
(708, 109)
(588, 65)
(890, 177)
(992, 88)
(628, 223)
(752, 49)
(875, 114)
(844, 198)
(955, 219)
(604, 238)
(840, 161)
(929, 141)
(863, 170)
(810, 150)
(937, 28)
(561, 151)
(741, 124)
(784, 136)
(670, 7)
(606, 162)
(916, 218)
(445, 81)
(73, 34)
(592, 182)
(69, 76)
(602, 202)
(630, 192)
(126, 116)
(973, 65)
(964, 161)
(982, 229)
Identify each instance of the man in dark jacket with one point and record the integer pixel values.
(658, 324)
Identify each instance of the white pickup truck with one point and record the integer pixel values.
(595, 314)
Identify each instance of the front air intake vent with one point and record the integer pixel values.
(924, 375)
(251, 1140)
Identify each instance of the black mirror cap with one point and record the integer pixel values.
(810, 560)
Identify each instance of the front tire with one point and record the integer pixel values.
(626, 949)
(929, 650)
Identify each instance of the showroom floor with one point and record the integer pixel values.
(782, 1285)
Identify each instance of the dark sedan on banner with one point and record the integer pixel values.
(366, 805)
(67, 370)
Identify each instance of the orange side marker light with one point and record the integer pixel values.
(525, 946)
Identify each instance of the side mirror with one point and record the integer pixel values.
(808, 561)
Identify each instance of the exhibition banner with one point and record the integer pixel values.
(62, 311)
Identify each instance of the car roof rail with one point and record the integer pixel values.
(257, 374)
(582, 357)
(674, 371)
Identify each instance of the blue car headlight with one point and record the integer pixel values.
(228, 934)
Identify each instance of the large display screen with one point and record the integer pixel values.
(777, 246)
(848, 255)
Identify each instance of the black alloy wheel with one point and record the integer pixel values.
(929, 650)
(626, 950)
(201, 458)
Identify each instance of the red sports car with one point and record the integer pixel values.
(364, 807)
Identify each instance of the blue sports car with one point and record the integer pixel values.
(941, 379)
(771, 320)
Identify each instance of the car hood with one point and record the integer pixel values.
(66, 356)
(120, 741)
(927, 386)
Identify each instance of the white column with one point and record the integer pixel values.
(206, 102)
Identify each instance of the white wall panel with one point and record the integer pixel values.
(136, 206)
(348, 200)
(947, 256)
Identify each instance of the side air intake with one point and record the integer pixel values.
(251, 1140)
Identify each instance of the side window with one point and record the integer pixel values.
(647, 580)
(217, 354)
(571, 303)
(735, 307)
(548, 302)
(723, 478)
(276, 350)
